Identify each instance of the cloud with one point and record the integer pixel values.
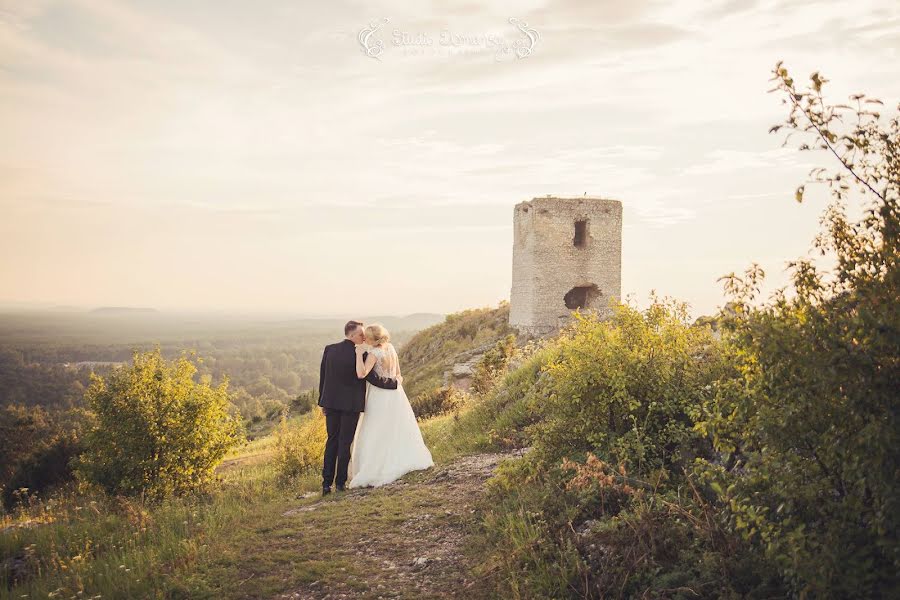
(729, 8)
(722, 160)
(253, 133)
(657, 214)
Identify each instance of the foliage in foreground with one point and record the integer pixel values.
(76, 546)
(35, 451)
(603, 504)
(81, 546)
(157, 431)
(808, 417)
(300, 446)
(665, 464)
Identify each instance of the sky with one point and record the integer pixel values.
(252, 156)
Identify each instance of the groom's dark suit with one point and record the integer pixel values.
(342, 395)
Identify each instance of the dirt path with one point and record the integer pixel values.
(404, 540)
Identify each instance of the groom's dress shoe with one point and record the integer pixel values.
(341, 488)
(326, 490)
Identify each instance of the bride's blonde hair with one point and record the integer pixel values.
(377, 334)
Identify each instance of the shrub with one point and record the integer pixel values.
(305, 402)
(21, 429)
(300, 447)
(524, 554)
(493, 365)
(667, 464)
(158, 432)
(36, 449)
(608, 408)
(808, 416)
(48, 467)
(438, 401)
(518, 400)
(626, 388)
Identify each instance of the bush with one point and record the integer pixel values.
(21, 429)
(300, 447)
(626, 389)
(518, 400)
(493, 365)
(36, 449)
(157, 432)
(305, 402)
(808, 416)
(438, 401)
(608, 410)
(489, 371)
(590, 530)
(48, 467)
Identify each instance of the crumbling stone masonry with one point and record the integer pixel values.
(567, 255)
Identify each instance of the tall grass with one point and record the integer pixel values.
(299, 446)
(78, 545)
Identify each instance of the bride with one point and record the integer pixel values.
(388, 443)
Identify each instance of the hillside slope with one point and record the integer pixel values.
(431, 352)
(406, 540)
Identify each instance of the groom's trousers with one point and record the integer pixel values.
(341, 427)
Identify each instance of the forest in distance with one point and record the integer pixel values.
(46, 356)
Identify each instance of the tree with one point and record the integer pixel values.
(809, 416)
(21, 430)
(158, 432)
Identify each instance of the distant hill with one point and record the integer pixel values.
(123, 310)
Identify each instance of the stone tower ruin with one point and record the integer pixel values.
(567, 255)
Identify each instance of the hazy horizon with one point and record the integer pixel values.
(212, 312)
(210, 156)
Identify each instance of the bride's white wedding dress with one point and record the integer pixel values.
(388, 443)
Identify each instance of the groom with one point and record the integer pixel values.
(342, 396)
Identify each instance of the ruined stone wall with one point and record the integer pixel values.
(559, 266)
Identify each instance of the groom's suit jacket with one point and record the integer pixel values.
(339, 387)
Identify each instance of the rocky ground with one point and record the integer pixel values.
(404, 540)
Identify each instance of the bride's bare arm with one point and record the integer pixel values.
(363, 368)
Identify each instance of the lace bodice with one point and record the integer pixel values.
(387, 364)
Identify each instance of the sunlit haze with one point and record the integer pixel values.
(249, 156)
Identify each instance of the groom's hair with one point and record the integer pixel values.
(350, 327)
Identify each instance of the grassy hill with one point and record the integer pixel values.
(608, 485)
(254, 534)
(211, 544)
(431, 352)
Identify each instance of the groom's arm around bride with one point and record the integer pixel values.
(339, 386)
